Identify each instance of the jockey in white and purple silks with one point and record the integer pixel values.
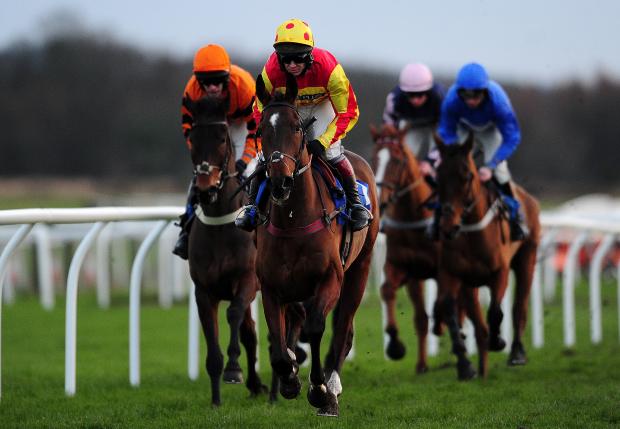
(480, 105)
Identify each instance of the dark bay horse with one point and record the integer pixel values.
(298, 253)
(411, 255)
(476, 250)
(221, 257)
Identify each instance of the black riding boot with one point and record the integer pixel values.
(360, 216)
(247, 221)
(185, 222)
(518, 228)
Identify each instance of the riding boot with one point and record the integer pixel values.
(518, 228)
(185, 222)
(360, 216)
(247, 221)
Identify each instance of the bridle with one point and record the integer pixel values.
(398, 190)
(208, 169)
(277, 156)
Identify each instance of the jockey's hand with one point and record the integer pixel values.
(316, 148)
(426, 169)
(240, 166)
(485, 174)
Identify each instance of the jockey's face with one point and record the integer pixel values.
(295, 68)
(472, 98)
(213, 90)
(417, 99)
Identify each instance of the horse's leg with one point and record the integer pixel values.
(449, 287)
(415, 288)
(248, 339)
(282, 359)
(235, 315)
(393, 279)
(325, 299)
(207, 310)
(523, 265)
(495, 315)
(471, 303)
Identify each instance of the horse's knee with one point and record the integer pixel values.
(315, 325)
(387, 292)
(234, 313)
(421, 321)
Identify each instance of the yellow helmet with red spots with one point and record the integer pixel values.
(293, 36)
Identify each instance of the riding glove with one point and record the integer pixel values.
(315, 147)
(240, 166)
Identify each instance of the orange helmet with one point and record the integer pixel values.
(293, 36)
(212, 60)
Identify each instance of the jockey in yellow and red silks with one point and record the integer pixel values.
(324, 91)
(214, 76)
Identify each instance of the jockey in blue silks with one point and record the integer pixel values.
(480, 105)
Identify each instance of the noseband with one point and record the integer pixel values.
(278, 156)
(207, 169)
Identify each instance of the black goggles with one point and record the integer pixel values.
(212, 80)
(468, 94)
(416, 94)
(293, 58)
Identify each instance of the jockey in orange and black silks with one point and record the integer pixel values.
(214, 76)
(324, 92)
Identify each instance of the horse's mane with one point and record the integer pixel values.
(210, 107)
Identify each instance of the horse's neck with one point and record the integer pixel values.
(481, 205)
(411, 205)
(304, 204)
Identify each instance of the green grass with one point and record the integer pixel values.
(558, 388)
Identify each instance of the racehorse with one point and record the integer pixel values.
(411, 255)
(299, 256)
(221, 256)
(476, 250)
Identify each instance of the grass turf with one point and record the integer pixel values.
(557, 388)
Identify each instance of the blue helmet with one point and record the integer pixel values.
(472, 76)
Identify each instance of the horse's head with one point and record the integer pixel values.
(394, 165)
(457, 185)
(211, 149)
(283, 138)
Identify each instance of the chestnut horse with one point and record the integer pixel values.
(411, 255)
(476, 250)
(298, 253)
(221, 257)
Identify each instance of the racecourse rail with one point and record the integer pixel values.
(148, 223)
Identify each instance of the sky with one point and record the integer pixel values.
(544, 42)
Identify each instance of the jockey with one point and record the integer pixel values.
(480, 105)
(325, 93)
(415, 104)
(215, 76)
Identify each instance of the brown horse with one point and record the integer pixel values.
(221, 257)
(299, 258)
(411, 255)
(476, 250)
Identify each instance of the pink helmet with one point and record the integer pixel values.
(415, 77)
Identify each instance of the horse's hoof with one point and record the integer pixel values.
(497, 344)
(257, 390)
(395, 349)
(517, 357)
(465, 371)
(331, 409)
(290, 388)
(233, 376)
(421, 369)
(300, 355)
(318, 396)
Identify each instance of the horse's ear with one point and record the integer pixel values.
(291, 89)
(469, 143)
(439, 142)
(261, 91)
(373, 131)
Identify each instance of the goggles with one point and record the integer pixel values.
(417, 94)
(293, 58)
(468, 94)
(212, 80)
